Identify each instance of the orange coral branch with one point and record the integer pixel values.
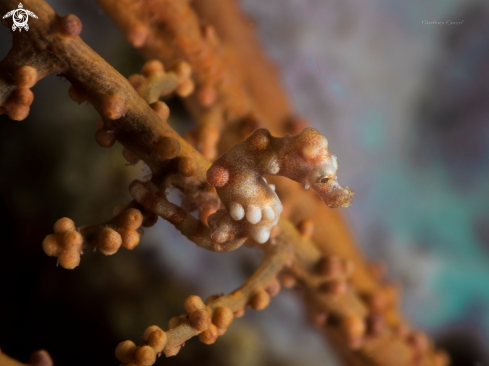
(145, 134)
(331, 234)
(38, 358)
(67, 242)
(8, 361)
(211, 319)
(155, 82)
(258, 75)
(242, 63)
(149, 196)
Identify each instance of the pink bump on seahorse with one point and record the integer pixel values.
(252, 206)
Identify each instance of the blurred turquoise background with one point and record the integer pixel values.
(401, 89)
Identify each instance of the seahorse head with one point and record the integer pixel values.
(310, 163)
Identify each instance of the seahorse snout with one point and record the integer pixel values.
(334, 194)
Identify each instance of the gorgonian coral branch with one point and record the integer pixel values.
(238, 178)
(155, 82)
(168, 30)
(210, 319)
(124, 230)
(126, 117)
(53, 45)
(38, 358)
(246, 94)
(152, 199)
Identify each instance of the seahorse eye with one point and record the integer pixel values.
(324, 180)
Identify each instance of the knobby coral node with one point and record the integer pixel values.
(68, 241)
(70, 25)
(17, 104)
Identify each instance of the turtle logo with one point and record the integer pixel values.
(20, 17)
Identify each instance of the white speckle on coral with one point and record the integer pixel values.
(236, 211)
(218, 236)
(277, 207)
(334, 161)
(261, 235)
(220, 224)
(307, 185)
(268, 213)
(274, 168)
(253, 214)
(325, 141)
(330, 171)
(310, 151)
